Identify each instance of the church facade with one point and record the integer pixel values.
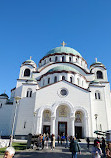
(62, 95)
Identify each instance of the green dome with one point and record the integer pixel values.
(61, 68)
(97, 63)
(29, 61)
(63, 49)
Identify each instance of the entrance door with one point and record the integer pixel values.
(62, 128)
(78, 132)
(46, 129)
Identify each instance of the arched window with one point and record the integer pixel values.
(63, 59)
(97, 95)
(27, 72)
(99, 75)
(55, 59)
(55, 79)
(70, 59)
(48, 80)
(63, 77)
(50, 59)
(76, 60)
(71, 79)
(77, 81)
(29, 93)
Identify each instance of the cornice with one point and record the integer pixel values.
(63, 53)
(65, 81)
(63, 71)
(98, 66)
(64, 62)
(28, 64)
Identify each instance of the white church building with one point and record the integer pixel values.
(61, 95)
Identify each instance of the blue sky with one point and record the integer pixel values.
(33, 27)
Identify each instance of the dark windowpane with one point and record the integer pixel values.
(63, 59)
(48, 80)
(99, 96)
(95, 95)
(30, 93)
(27, 94)
(63, 77)
(63, 92)
(99, 75)
(71, 79)
(55, 59)
(50, 59)
(27, 72)
(69, 59)
(55, 79)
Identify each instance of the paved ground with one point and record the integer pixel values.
(58, 152)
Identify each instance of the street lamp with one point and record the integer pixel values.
(14, 118)
(34, 121)
(96, 116)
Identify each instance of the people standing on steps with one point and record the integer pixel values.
(75, 148)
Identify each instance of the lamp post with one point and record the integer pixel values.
(14, 118)
(34, 121)
(96, 116)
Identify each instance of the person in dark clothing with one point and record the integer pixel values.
(43, 139)
(88, 141)
(103, 146)
(58, 139)
(74, 148)
(96, 140)
(51, 144)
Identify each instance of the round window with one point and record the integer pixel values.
(63, 92)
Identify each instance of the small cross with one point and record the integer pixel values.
(63, 43)
(30, 57)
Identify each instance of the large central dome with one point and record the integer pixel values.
(63, 49)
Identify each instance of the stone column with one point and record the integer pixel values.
(53, 125)
(86, 129)
(72, 126)
(39, 125)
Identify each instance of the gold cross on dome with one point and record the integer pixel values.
(63, 43)
(30, 57)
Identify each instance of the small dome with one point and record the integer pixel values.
(63, 49)
(61, 68)
(30, 62)
(97, 64)
(4, 95)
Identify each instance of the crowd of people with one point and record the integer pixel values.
(100, 149)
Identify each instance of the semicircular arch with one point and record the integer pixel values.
(42, 109)
(59, 103)
(80, 108)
